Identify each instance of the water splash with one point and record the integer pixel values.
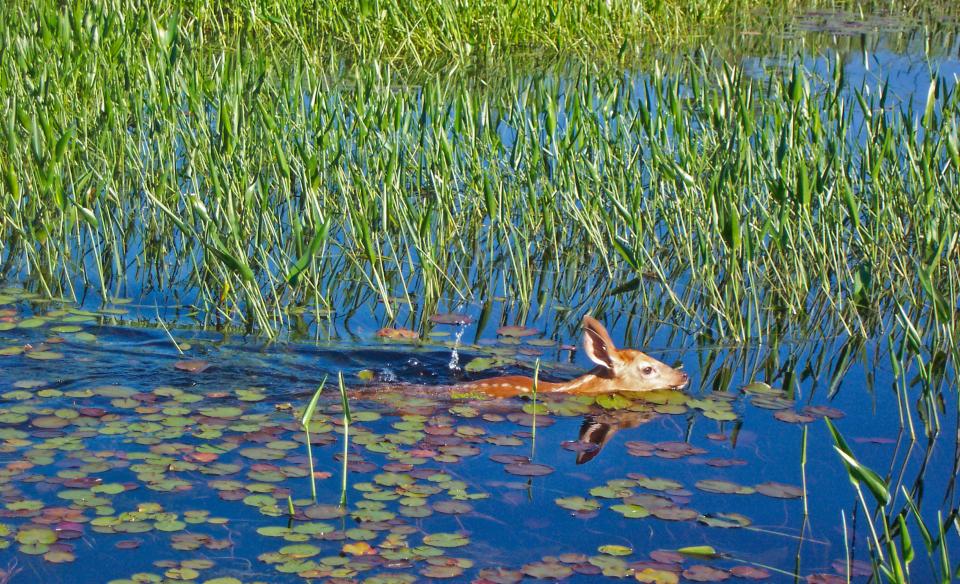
(454, 364)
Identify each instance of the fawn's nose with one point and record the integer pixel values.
(684, 379)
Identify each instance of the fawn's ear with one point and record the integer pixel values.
(598, 345)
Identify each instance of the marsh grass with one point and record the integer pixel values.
(458, 35)
(260, 184)
(347, 419)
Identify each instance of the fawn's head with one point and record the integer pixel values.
(630, 370)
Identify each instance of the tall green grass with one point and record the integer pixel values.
(257, 183)
(421, 34)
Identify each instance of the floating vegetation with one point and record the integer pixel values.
(184, 473)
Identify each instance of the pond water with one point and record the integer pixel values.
(124, 460)
(136, 445)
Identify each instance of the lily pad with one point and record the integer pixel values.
(578, 503)
(779, 490)
(752, 573)
(631, 511)
(724, 487)
(441, 572)
(398, 334)
(451, 318)
(528, 469)
(44, 355)
(656, 576)
(725, 520)
(517, 331)
(192, 366)
(701, 573)
(445, 540)
(546, 570)
(615, 550)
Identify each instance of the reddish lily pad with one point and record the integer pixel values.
(451, 318)
(59, 556)
(398, 334)
(792, 417)
(667, 557)
(49, 422)
(546, 570)
(779, 490)
(674, 513)
(701, 573)
(528, 469)
(855, 567)
(192, 366)
(517, 331)
(441, 572)
(825, 579)
(824, 411)
(749, 572)
(500, 576)
(452, 507)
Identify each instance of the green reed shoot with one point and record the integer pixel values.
(305, 421)
(803, 469)
(533, 391)
(346, 437)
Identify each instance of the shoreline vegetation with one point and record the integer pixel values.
(420, 35)
(137, 148)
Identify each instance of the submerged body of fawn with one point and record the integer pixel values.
(616, 370)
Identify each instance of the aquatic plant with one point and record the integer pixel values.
(260, 185)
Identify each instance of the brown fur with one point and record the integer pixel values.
(616, 370)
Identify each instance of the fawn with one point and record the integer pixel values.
(616, 370)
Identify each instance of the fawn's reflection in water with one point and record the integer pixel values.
(434, 404)
(597, 429)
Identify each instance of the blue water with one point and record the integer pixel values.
(171, 438)
(516, 525)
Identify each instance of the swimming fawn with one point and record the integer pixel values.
(616, 370)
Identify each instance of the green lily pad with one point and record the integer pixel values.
(615, 550)
(631, 511)
(44, 355)
(445, 540)
(578, 503)
(36, 535)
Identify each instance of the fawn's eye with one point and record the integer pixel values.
(647, 370)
